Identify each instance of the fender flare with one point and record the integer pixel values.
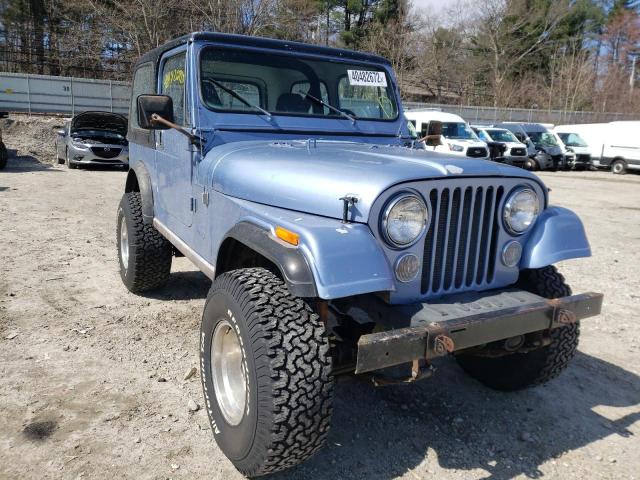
(557, 235)
(140, 174)
(292, 264)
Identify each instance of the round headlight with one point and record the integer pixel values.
(521, 210)
(404, 220)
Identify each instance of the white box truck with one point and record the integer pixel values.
(614, 145)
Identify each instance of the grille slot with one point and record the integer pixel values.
(461, 243)
(476, 152)
(106, 152)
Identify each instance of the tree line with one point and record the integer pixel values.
(550, 54)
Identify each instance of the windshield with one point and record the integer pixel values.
(458, 131)
(543, 139)
(502, 136)
(279, 84)
(572, 140)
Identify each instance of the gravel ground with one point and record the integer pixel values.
(92, 378)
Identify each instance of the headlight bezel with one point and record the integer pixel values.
(384, 224)
(507, 207)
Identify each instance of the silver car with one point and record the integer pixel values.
(93, 138)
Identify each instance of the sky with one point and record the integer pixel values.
(426, 5)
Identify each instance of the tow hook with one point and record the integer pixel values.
(443, 345)
(418, 372)
(566, 317)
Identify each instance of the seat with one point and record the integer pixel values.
(292, 103)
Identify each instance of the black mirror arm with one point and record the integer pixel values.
(195, 140)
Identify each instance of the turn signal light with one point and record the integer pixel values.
(287, 236)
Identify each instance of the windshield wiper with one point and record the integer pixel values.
(237, 96)
(331, 107)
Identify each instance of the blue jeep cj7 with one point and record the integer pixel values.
(287, 174)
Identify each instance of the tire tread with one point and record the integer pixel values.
(292, 350)
(521, 370)
(150, 251)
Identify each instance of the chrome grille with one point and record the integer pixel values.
(460, 246)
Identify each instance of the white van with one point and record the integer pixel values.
(515, 151)
(614, 145)
(573, 142)
(458, 138)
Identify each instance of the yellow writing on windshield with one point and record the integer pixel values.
(173, 77)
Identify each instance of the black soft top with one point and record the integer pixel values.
(258, 42)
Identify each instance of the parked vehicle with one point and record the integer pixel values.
(93, 138)
(515, 152)
(575, 144)
(544, 150)
(613, 145)
(458, 137)
(3, 153)
(286, 173)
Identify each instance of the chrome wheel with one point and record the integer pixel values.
(124, 243)
(228, 371)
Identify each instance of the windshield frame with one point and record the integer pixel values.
(378, 66)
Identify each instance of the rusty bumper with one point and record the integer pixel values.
(435, 339)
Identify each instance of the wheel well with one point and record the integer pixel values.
(234, 254)
(615, 159)
(132, 182)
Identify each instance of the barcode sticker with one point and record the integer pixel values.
(367, 78)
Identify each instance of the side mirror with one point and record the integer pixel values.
(61, 133)
(148, 105)
(434, 133)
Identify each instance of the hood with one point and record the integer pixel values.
(106, 121)
(312, 176)
(467, 142)
(580, 150)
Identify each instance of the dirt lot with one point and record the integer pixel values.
(92, 377)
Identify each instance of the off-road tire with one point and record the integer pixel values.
(150, 254)
(70, 165)
(619, 167)
(3, 156)
(521, 370)
(287, 372)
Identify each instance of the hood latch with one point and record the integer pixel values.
(348, 201)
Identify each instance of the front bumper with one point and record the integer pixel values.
(515, 160)
(459, 324)
(85, 156)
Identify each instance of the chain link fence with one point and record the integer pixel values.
(484, 115)
(28, 93)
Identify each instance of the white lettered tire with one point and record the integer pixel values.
(266, 372)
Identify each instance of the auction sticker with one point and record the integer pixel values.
(367, 78)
